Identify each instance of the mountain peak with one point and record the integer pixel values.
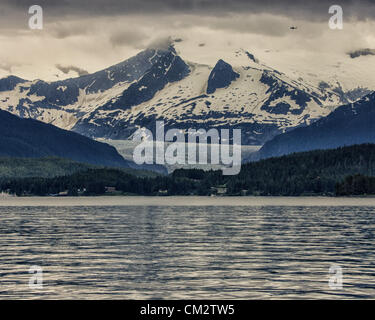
(165, 44)
(221, 76)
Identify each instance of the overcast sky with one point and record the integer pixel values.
(81, 36)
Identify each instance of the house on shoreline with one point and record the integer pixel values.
(219, 190)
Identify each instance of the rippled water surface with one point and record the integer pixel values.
(181, 251)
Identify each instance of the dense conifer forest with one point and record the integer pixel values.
(342, 171)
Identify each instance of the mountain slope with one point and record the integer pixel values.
(29, 138)
(313, 172)
(347, 125)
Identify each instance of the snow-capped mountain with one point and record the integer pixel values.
(350, 124)
(157, 84)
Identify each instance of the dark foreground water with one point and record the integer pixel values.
(181, 252)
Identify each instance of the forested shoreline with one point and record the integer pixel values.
(344, 171)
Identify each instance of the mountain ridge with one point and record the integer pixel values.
(157, 84)
(30, 138)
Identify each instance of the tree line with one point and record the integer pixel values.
(343, 171)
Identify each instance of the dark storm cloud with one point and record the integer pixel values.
(67, 69)
(309, 9)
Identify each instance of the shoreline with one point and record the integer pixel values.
(154, 201)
